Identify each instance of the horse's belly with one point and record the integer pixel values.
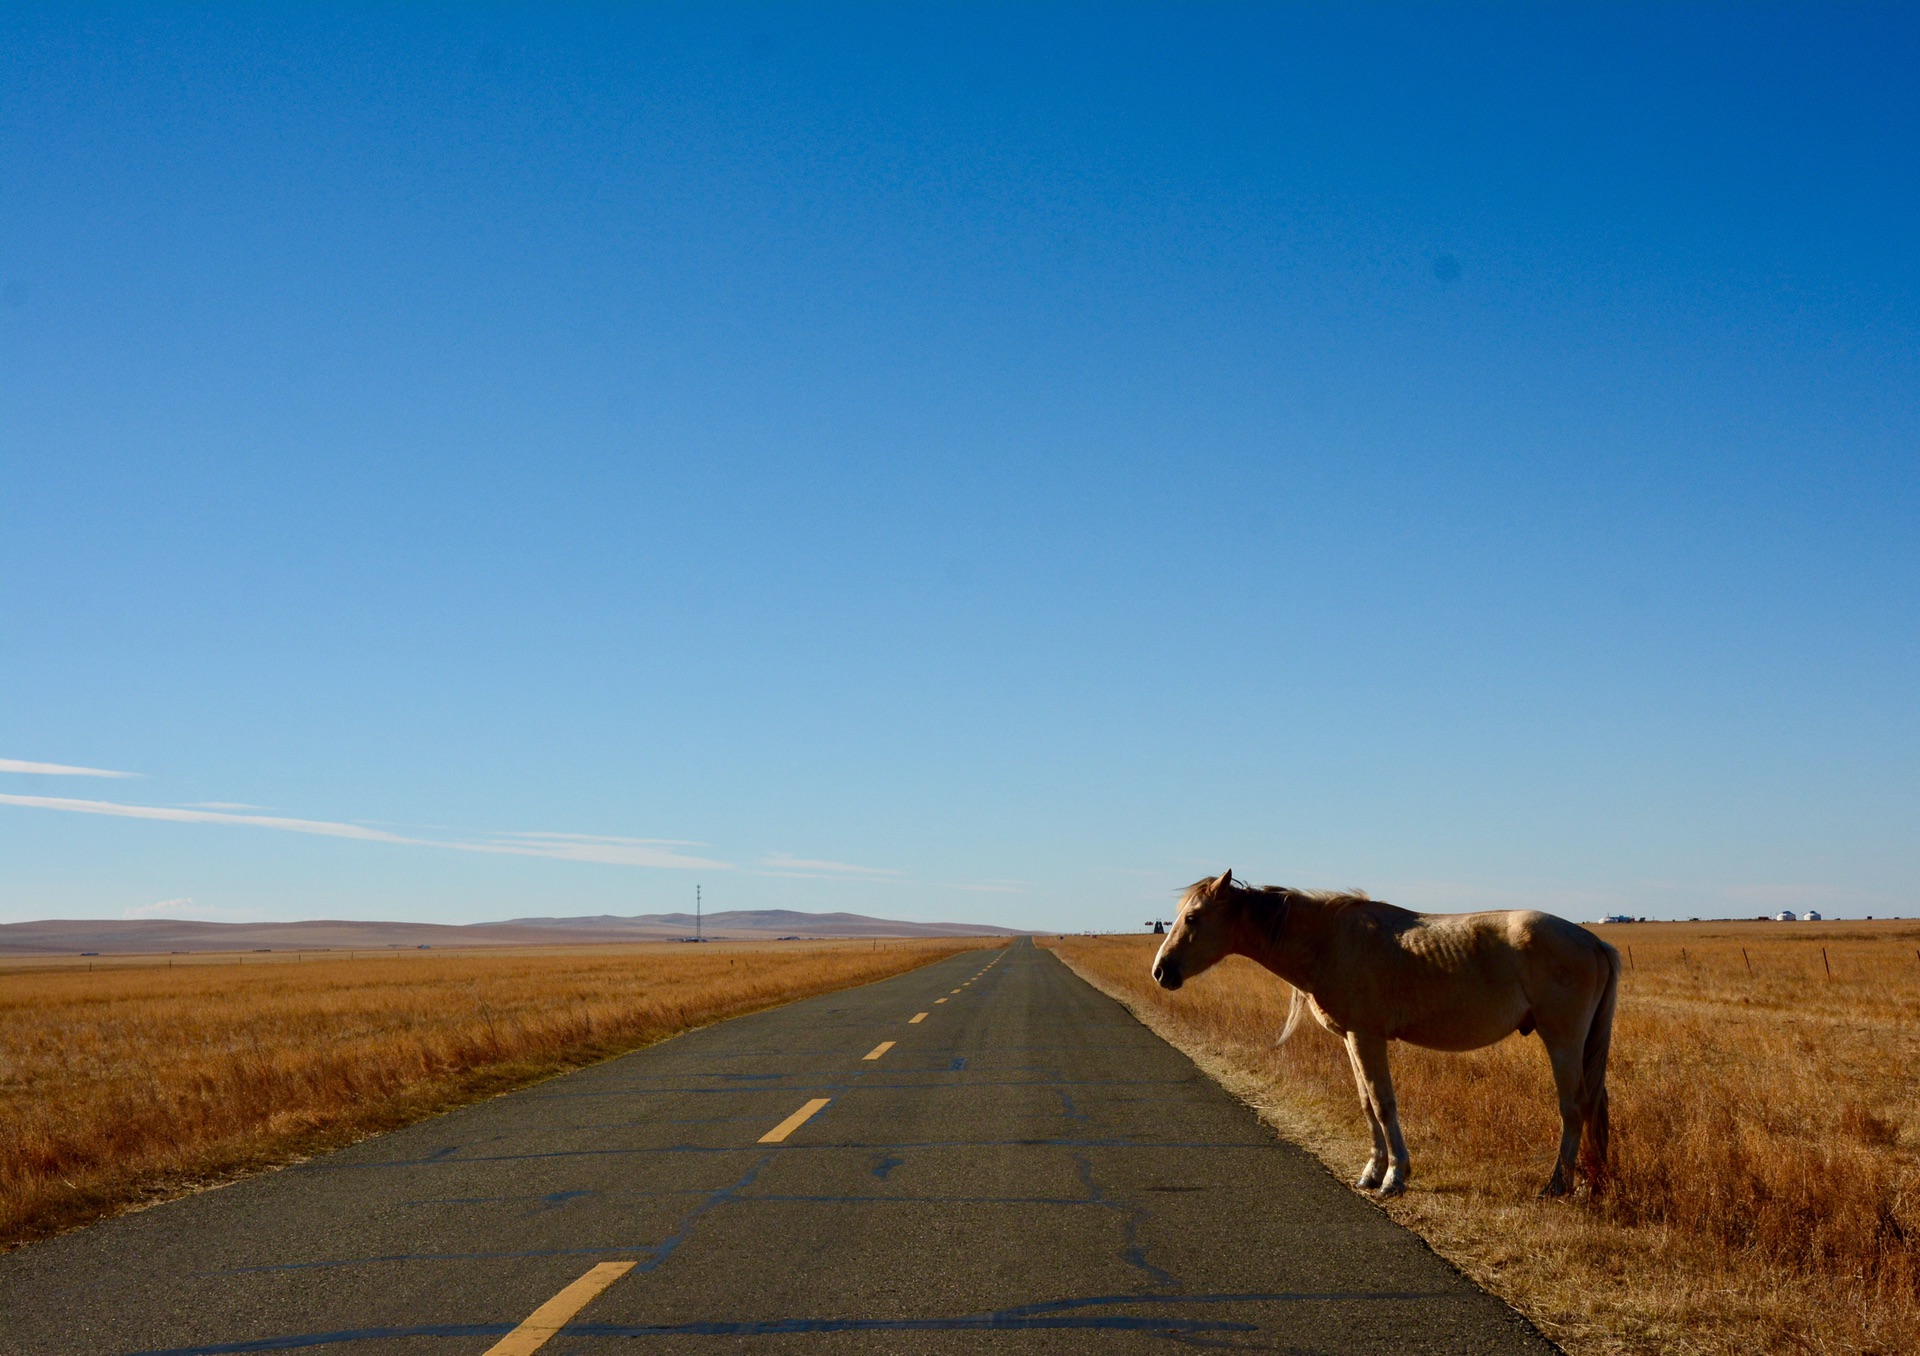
(1459, 1030)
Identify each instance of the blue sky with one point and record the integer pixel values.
(991, 463)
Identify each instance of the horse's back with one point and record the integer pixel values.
(1458, 981)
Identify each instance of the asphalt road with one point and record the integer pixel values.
(1026, 1168)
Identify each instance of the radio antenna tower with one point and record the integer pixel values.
(696, 915)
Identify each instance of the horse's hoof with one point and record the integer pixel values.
(1369, 1180)
(1393, 1186)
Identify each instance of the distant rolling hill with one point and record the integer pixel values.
(54, 937)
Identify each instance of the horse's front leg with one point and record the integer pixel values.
(1369, 1055)
(1376, 1169)
(1377, 1164)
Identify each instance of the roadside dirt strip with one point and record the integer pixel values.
(1016, 1162)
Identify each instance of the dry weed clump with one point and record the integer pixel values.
(1766, 1179)
(139, 1081)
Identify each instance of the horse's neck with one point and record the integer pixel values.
(1287, 934)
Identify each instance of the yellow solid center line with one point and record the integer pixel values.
(794, 1122)
(917, 1017)
(557, 1312)
(878, 1050)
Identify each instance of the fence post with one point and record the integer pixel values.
(1823, 963)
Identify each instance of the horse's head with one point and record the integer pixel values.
(1202, 933)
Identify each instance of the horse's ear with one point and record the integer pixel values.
(1226, 879)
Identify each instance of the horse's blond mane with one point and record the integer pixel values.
(1285, 892)
(1316, 896)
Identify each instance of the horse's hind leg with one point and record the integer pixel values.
(1377, 1164)
(1593, 1150)
(1568, 1075)
(1369, 1054)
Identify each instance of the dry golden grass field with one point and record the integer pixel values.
(128, 1080)
(1766, 1194)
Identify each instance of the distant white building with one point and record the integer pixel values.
(1786, 916)
(1810, 916)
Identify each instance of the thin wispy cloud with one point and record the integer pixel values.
(181, 815)
(574, 847)
(221, 805)
(160, 908)
(786, 866)
(558, 847)
(58, 769)
(604, 838)
(988, 887)
(186, 908)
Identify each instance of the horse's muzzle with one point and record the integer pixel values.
(1165, 975)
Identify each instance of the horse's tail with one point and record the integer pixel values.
(1593, 1070)
(1295, 1007)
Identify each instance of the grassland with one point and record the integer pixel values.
(123, 1082)
(1767, 1136)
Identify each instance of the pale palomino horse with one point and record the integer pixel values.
(1372, 973)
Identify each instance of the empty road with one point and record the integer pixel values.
(984, 1151)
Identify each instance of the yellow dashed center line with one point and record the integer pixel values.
(557, 1312)
(793, 1122)
(939, 1000)
(955, 991)
(917, 1017)
(878, 1050)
